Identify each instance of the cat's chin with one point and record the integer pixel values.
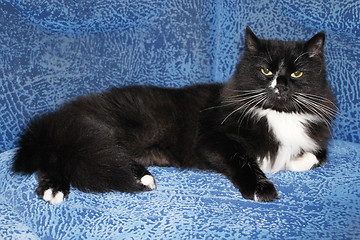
(279, 103)
(283, 110)
(280, 107)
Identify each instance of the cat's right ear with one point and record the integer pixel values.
(252, 42)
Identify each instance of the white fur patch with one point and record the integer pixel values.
(53, 199)
(303, 163)
(273, 83)
(148, 181)
(290, 130)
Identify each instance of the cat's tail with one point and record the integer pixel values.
(35, 146)
(78, 151)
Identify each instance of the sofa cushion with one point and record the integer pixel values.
(323, 203)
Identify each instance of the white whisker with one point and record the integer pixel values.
(250, 109)
(300, 56)
(322, 107)
(248, 100)
(326, 110)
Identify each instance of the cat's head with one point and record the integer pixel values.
(285, 76)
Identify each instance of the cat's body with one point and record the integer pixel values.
(274, 114)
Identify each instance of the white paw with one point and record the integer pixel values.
(303, 163)
(256, 198)
(53, 199)
(148, 181)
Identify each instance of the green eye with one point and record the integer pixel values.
(266, 72)
(297, 74)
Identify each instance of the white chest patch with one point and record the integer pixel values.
(290, 130)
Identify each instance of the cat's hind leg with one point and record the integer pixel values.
(303, 163)
(143, 177)
(53, 188)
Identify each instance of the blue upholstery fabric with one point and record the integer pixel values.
(320, 204)
(52, 51)
(84, 17)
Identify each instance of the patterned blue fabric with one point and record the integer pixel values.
(323, 203)
(52, 51)
(83, 17)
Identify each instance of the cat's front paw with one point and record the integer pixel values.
(265, 191)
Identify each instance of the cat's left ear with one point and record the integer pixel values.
(252, 42)
(315, 46)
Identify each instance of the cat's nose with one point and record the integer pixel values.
(281, 81)
(282, 84)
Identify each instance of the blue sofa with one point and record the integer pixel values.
(52, 51)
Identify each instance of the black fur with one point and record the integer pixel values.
(104, 142)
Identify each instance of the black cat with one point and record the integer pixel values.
(274, 114)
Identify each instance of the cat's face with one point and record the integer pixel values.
(282, 76)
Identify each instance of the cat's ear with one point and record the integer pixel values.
(315, 46)
(252, 42)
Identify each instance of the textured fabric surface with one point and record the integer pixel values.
(11, 225)
(52, 51)
(320, 204)
(82, 16)
(333, 15)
